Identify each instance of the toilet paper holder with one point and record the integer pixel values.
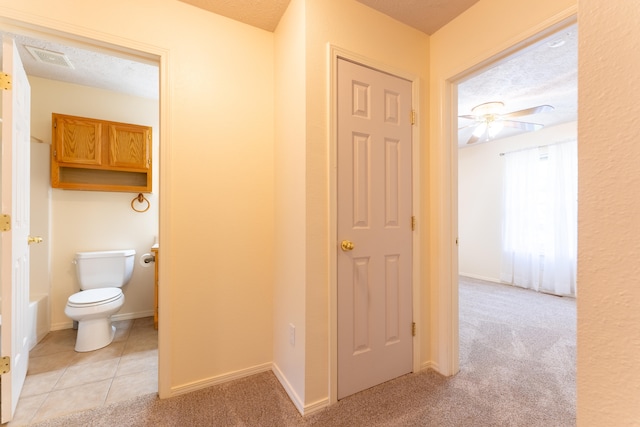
(147, 259)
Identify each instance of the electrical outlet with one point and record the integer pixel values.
(292, 334)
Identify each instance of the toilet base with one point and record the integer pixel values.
(94, 334)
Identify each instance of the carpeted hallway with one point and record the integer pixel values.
(517, 368)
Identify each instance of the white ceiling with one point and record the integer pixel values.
(94, 67)
(544, 73)
(534, 76)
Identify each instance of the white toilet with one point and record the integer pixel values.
(101, 275)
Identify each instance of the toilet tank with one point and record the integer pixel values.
(102, 269)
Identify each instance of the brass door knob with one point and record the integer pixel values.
(347, 245)
(34, 239)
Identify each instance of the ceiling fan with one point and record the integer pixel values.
(489, 120)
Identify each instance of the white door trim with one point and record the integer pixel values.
(335, 53)
(29, 23)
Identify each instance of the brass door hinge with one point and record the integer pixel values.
(5, 81)
(413, 223)
(413, 117)
(5, 222)
(5, 364)
(413, 329)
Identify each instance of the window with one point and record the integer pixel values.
(539, 239)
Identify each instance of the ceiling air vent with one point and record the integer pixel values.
(49, 57)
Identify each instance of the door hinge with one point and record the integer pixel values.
(457, 241)
(5, 364)
(55, 123)
(5, 81)
(413, 117)
(413, 223)
(413, 329)
(5, 222)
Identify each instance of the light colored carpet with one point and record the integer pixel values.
(517, 359)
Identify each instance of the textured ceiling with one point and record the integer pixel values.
(535, 76)
(545, 73)
(263, 14)
(91, 67)
(427, 16)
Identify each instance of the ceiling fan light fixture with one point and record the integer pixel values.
(494, 128)
(494, 107)
(480, 130)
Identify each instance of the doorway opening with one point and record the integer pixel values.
(94, 98)
(524, 103)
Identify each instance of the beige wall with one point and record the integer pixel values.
(95, 220)
(608, 220)
(290, 236)
(480, 184)
(216, 177)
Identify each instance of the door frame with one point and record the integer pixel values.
(443, 163)
(27, 23)
(336, 52)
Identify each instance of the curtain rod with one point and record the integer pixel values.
(538, 146)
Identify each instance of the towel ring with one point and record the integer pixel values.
(141, 199)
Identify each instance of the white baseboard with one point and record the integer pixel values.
(124, 316)
(134, 315)
(477, 276)
(317, 406)
(425, 366)
(297, 402)
(230, 376)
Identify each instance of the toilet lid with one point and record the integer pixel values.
(94, 297)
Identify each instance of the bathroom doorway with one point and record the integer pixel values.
(71, 221)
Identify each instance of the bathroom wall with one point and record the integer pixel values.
(92, 220)
(40, 220)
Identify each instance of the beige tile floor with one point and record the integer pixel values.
(60, 381)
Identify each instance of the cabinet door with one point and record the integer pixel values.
(78, 141)
(129, 146)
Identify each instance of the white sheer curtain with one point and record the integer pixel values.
(539, 239)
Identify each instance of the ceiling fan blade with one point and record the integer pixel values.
(525, 126)
(468, 126)
(529, 111)
(470, 117)
(473, 139)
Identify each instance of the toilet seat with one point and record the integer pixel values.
(94, 297)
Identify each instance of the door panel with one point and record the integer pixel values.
(14, 255)
(374, 212)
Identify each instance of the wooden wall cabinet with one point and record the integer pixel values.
(92, 154)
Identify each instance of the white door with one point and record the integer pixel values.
(14, 255)
(375, 342)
